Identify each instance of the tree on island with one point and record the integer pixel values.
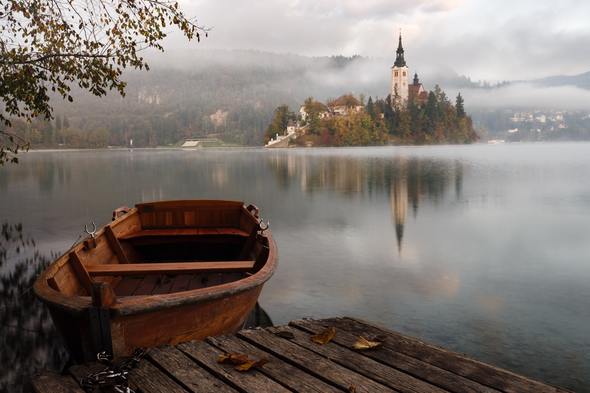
(459, 106)
(49, 46)
(279, 122)
(434, 121)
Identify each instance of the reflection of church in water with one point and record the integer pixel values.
(398, 199)
(414, 179)
(406, 181)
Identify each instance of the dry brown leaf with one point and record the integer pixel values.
(250, 364)
(285, 334)
(241, 361)
(362, 343)
(325, 336)
(352, 389)
(233, 358)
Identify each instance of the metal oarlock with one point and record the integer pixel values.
(262, 225)
(90, 243)
(91, 233)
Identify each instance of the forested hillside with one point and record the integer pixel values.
(228, 93)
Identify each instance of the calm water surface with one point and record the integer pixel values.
(481, 249)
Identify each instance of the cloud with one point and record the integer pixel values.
(526, 95)
(499, 40)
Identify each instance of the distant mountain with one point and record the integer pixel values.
(229, 93)
(581, 81)
(233, 94)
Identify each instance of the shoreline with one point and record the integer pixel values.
(175, 148)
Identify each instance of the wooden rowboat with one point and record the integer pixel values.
(161, 273)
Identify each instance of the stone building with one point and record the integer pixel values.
(416, 92)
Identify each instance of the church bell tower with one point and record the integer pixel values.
(399, 77)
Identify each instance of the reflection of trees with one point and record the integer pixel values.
(49, 173)
(28, 339)
(407, 181)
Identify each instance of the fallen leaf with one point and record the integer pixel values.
(362, 343)
(325, 336)
(241, 361)
(352, 389)
(285, 334)
(233, 358)
(250, 364)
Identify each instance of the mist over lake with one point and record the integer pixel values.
(482, 249)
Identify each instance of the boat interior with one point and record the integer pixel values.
(166, 247)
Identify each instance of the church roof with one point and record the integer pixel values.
(399, 54)
(347, 100)
(313, 106)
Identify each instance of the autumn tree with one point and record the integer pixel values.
(49, 46)
(279, 122)
(314, 110)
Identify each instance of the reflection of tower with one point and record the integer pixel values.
(399, 207)
(458, 179)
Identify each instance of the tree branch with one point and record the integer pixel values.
(56, 55)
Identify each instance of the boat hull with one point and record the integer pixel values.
(95, 310)
(171, 325)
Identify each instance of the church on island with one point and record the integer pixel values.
(402, 92)
(408, 115)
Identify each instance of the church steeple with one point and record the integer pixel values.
(399, 58)
(416, 80)
(399, 77)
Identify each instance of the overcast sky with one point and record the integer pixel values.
(483, 39)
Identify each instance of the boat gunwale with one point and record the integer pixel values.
(131, 305)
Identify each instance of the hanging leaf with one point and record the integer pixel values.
(325, 336)
(362, 344)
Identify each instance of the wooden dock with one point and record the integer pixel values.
(296, 363)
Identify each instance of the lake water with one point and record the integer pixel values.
(484, 249)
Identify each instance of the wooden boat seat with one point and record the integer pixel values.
(186, 232)
(130, 269)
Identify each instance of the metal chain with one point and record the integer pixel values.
(114, 376)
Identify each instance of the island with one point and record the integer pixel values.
(409, 115)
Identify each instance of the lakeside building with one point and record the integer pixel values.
(345, 105)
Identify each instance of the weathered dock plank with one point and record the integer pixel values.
(311, 362)
(146, 377)
(370, 368)
(485, 374)
(284, 373)
(419, 369)
(186, 372)
(254, 381)
(297, 364)
(54, 383)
